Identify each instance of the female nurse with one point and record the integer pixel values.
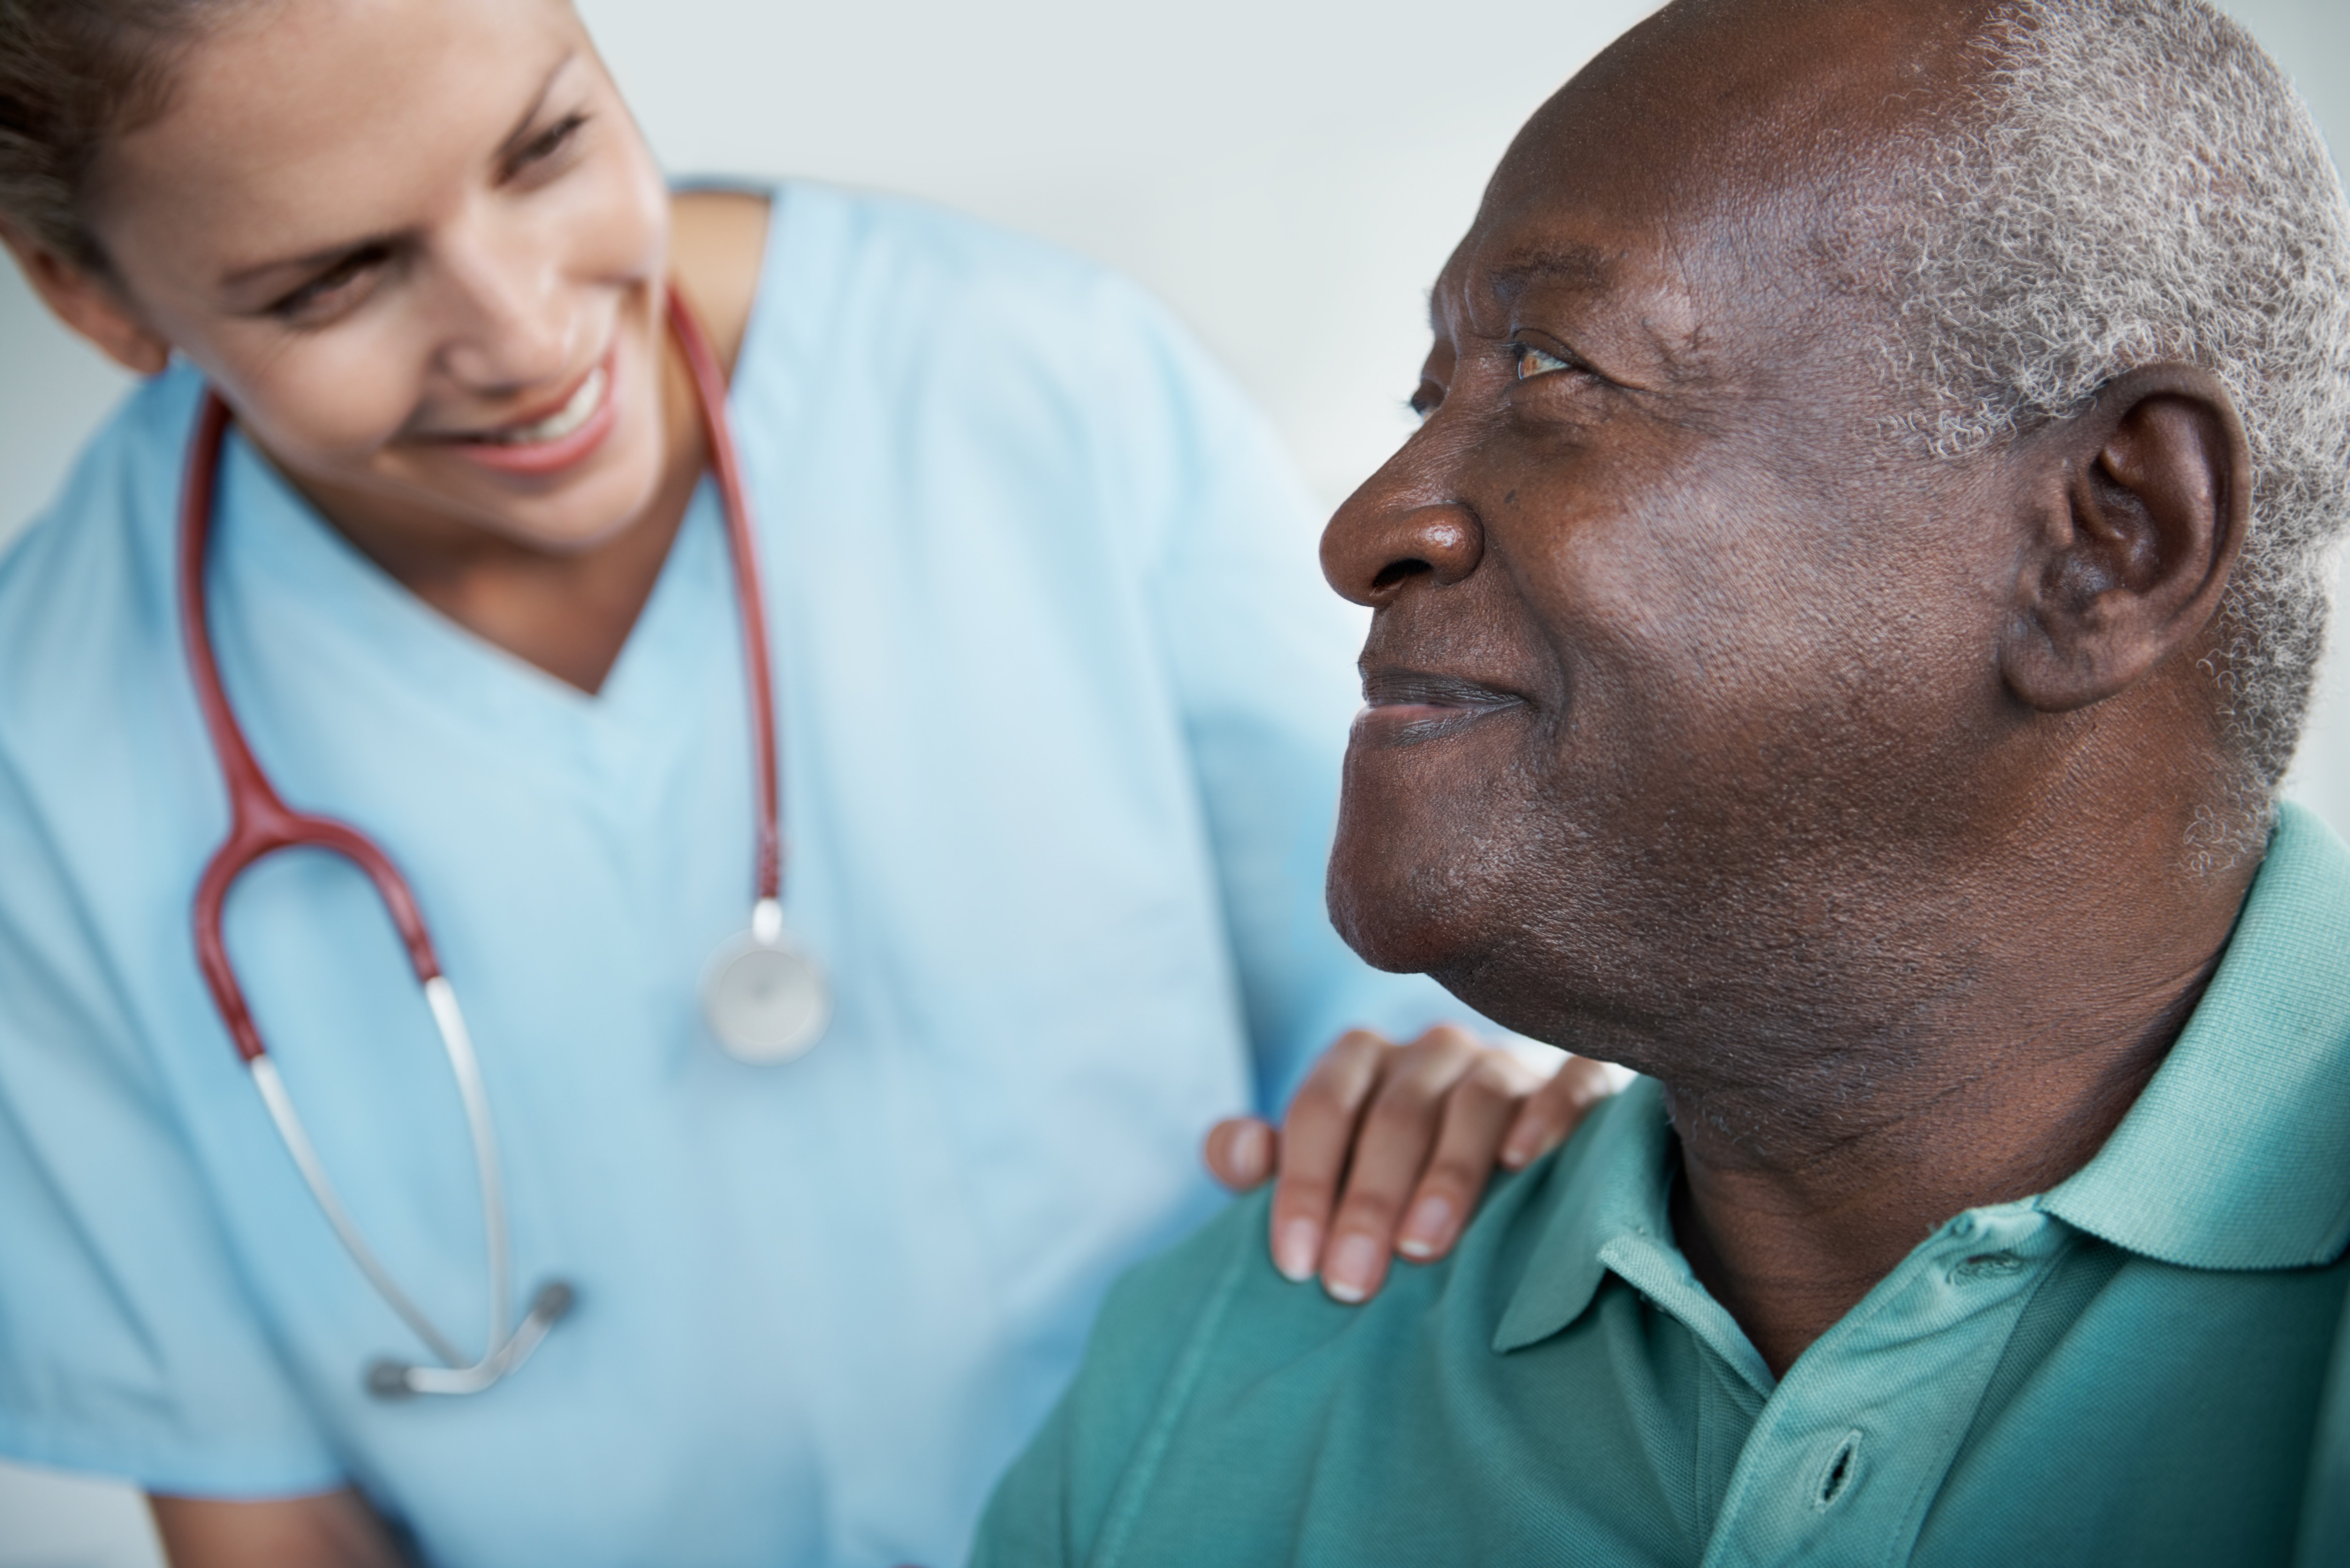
(1056, 699)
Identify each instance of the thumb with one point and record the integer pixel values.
(1241, 1152)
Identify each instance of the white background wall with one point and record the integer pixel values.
(1289, 173)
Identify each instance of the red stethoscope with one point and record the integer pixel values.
(764, 999)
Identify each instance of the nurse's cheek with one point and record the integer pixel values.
(1387, 1148)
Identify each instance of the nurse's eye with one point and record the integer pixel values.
(547, 145)
(338, 288)
(1533, 361)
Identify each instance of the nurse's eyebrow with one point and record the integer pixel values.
(316, 260)
(328, 255)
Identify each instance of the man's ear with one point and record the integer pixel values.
(89, 304)
(2144, 503)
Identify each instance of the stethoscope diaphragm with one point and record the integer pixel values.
(766, 1000)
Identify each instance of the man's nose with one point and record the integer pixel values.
(1386, 535)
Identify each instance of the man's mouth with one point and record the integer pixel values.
(1404, 706)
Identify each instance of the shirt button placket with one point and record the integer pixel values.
(1836, 1467)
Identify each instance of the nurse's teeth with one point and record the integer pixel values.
(565, 419)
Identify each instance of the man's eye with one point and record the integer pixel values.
(1423, 402)
(1533, 361)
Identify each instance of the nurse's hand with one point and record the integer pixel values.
(1413, 1131)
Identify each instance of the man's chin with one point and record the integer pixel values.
(1394, 922)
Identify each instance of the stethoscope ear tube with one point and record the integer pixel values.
(261, 824)
(779, 995)
(389, 1379)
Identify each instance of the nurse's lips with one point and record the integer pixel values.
(550, 438)
(1405, 706)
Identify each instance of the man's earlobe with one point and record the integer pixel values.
(2146, 502)
(90, 305)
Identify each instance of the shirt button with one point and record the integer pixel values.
(1987, 1265)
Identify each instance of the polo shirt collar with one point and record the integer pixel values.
(1611, 1188)
(2236, 1157)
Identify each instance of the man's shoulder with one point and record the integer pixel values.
(1240, 1317)
(1208, 1348)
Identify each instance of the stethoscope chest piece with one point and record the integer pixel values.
(766, 1000)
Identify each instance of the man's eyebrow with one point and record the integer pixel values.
(1579, 267)
(318, 260)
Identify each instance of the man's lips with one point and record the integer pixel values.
(1406, 705)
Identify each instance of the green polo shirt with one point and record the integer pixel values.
(2137, 1368)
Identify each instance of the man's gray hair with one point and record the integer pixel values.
(2140, 185)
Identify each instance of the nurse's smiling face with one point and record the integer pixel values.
(420, 246)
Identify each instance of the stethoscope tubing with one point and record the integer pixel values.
(261, 824)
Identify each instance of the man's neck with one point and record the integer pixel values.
(1789, 1237)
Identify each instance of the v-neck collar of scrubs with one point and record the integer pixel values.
(2259, 1065)
(290, 549)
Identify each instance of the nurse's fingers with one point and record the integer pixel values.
(1555, 1110)
(1479, 1115)
(1315, 1140)
(1444, 1094)
(1240, 1152)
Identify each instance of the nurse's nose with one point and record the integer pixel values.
(511, 324)
(1402, 527)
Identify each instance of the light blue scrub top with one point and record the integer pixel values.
(1062, 698)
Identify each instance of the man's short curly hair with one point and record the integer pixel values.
(2139, 183)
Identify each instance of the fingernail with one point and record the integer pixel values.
(1515, 1156)
(1425, 1228)
(1293, 1249)
(1252, 1151)
(1353, 1260)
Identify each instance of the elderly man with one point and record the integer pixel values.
(1837, 633)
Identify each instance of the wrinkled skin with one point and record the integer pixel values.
(1714, 731)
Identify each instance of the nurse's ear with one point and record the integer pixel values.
(90, 304)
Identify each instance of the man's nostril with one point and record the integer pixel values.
(1395, 572)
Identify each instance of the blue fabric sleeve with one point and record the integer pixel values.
(128, 1345)
(1262, 654)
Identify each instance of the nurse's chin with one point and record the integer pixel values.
(568, 515)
